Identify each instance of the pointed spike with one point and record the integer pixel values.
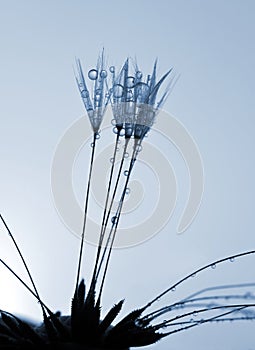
(110, 317)
(153, 75)
(153, 94)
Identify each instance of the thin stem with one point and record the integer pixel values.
(118, 212)
(104, 222)
(196, 272)
(227, 319)
(193, 303)
(25, 285)
(86, 210)
(204, 321)
(189, 299)
(23, 260)
(110, 207)
(237, 308)
(228, 286)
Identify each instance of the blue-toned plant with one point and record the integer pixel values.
(135, 101)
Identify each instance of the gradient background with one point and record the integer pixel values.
(211, 43)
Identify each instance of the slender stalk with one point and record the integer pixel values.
(86, 210)
(189, 299)
(118, 212)
(110, 207)
(25, 285)
(191, 303)
(240, 307)
(103, 224)
(196, 272)
(236, 307)
(23, 261)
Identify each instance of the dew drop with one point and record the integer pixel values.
(92, 144)
(113, 122)
(112, 69)
(115, 130)
(129, 94)
(118, 91)
(122, 132)
(126, 155)
(127, 190)
(97, 136)
(126, 172)
(139, 74)
(103, 74)
(173, 289)
(213, 266)
(97, 96)
(92, 74)
(130, 82)
(84, 94)
(111, 160)
(113, 220)
(232, 259)
(139, 148)
(195, 313)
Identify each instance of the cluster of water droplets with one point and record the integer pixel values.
(133, 101)
(96, 100)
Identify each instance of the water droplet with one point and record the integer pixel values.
(113, 122)
(195, 313)
(112, 69)
(92, 144)
(115, 130)
(103, 74)
(173, 289)
(191, 320)
(130, 82)
(122, 132)
(113, 220)
(126, 172)
(213, 266)
(97, 136)
(232, 259)
(97, 96)
(126, 155)
(139, 148)
(92, 74)
(139, 75)
(129, 94)
(111, 160)
(142, 91)
(84, 94)
(118, 91)
(127, 190)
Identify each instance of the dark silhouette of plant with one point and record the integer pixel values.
(134, 107)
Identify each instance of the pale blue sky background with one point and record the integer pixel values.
(211, 44)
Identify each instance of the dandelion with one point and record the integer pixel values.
(135, 102)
